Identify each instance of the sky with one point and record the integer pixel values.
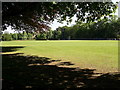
(55, 24)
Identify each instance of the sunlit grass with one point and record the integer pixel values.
(97, 54)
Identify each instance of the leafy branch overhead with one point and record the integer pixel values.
(38, 15)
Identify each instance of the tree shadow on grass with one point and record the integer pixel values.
(4, 49)
(21, 72)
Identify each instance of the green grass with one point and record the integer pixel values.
(97, 54)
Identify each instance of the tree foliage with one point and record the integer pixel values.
(41, 36)
(49, 34)
(38, 15)
(15, 36)
(30, 36)
(6, 37)
(24, 36)
(103, 29)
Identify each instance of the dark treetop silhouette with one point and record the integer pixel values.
(37, 15)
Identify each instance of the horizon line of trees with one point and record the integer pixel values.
(103, 29)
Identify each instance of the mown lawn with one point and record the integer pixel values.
(101, 55)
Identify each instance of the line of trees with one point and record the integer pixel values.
(103, 29)
(48, 35)
(17, 36)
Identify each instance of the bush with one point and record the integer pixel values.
(6, 37)
(15, 36)
(42, 36)
(30, 36)
(24, 36)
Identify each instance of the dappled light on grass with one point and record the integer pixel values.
(22, 71)
(18, 74)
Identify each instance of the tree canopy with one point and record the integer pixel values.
(38, 15)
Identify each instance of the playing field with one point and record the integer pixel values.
(101, 55)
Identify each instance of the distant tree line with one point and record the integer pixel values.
(16, 36)
(47, 35)
(103, 29)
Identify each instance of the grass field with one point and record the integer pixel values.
(101, 55)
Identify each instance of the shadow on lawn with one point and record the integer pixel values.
(20, 72)
(10, 49)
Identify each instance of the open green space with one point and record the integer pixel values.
(101, 55)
